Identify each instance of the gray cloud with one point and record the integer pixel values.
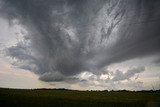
(119, 75)
(56, 76)
(66, 37)
(110, 76)
(157, 61)
(113, 81)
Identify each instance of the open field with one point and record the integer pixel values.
(71, 98)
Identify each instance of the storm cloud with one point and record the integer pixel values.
(67, 37)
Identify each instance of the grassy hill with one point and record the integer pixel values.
(72, 98)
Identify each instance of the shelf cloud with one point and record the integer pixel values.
(67, 37)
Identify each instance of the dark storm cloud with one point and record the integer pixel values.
(67, 37)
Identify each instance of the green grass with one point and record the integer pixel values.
(71, 98)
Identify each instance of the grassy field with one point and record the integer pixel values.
(70, 98)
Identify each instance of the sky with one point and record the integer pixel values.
(80, 44)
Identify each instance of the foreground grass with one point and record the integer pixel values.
(70, 98)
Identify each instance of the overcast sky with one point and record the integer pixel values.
(80, 44)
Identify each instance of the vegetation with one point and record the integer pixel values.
(72, 98)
